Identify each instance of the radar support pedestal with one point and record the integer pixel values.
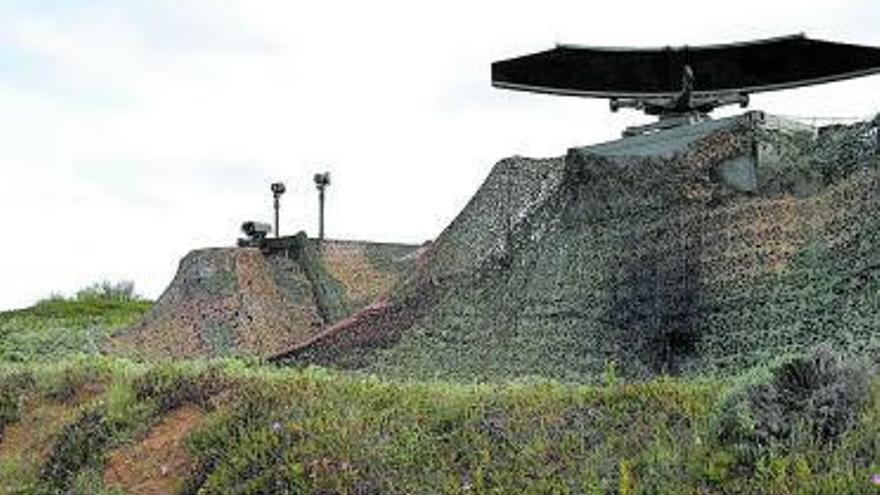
(667, 122)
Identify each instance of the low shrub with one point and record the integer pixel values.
(81, 445)
(810, 399)
(169, 386)
(254, 424)
(13, 387)
(122, 290)
(68, 384)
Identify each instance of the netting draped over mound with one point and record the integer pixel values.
(654, 264)
(241, 301)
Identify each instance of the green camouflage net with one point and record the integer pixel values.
(564, 267)
(241, 301)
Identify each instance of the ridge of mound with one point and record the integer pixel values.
(720, 251)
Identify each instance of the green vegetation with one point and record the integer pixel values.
(808, 425)
(58, 327)
(317, 431)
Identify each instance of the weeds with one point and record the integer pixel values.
(170, 386)
(13, 386)
(320, 431)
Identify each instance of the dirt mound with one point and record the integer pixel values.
(711, 251)
(241, 301)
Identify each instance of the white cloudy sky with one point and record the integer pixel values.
(134, 131)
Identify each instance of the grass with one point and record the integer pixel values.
(273, 430)
(263, 429)
(59, 327)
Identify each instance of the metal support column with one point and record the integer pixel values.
(277, 190)
(321, 182)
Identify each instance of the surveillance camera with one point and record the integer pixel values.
(278, 188)
(256, 229)
(322, 179)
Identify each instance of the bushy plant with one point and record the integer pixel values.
(81, 445)
(169, 386)
(815, 399)
(122, 290)
(253, 423)
(12, 389)
(65, 386)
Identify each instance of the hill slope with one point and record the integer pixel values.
(57, 328)
(101, 426)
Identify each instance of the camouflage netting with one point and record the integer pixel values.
(240, 301)
(565, 266)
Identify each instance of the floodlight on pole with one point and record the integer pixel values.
(277, 190)
(321, 182)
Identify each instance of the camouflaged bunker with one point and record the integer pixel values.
(258, 301)
(719, 246)
(690, 245)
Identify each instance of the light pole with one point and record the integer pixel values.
(277, 190)
(321, 182)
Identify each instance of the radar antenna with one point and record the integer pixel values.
(682, 85)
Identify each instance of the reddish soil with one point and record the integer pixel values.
(159, 462)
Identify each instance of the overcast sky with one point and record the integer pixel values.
(132, 132)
